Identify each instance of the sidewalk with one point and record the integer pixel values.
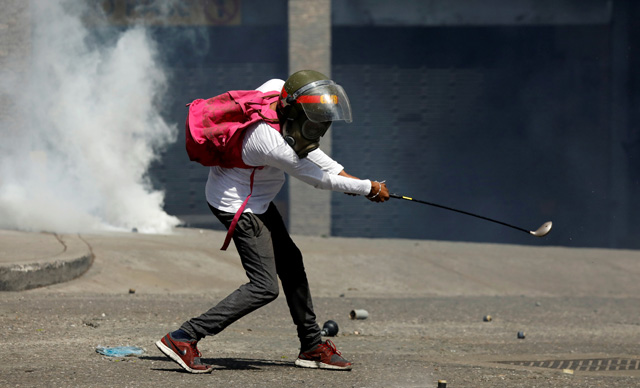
(30, 260)
(190, 261)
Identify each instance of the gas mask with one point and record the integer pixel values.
(302, 134)
(306, 113)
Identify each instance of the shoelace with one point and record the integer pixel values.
(332, 347)
(195, 348)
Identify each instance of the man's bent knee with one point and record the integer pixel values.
(266, 294)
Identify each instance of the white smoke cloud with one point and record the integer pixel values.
(89, 127)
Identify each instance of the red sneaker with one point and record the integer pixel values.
(323, 356)
(185, 354)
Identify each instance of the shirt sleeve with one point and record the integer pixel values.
(325, 162)
(263, 146)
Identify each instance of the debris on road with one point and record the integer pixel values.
(329, 329)
(120, 351)
(359, 314)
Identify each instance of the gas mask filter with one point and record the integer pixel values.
(302, 134)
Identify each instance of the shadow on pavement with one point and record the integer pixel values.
(225, 363)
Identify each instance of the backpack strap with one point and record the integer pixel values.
(232, 227)
(269, 120)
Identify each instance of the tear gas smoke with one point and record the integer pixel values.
(85, 127)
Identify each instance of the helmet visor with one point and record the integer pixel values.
(325, 102)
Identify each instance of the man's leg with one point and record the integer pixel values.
(290, 268)
(313, 352)
(254, 244)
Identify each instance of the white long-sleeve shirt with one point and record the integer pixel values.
(227, 188)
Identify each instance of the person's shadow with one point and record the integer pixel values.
(223, 363)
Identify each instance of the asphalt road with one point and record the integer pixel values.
(426, 302)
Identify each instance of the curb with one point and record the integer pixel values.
(75, 260)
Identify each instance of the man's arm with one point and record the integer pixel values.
(324, 161)
(265, 146)
(379, 191)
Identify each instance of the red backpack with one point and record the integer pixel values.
(215, 127)
(215, 130)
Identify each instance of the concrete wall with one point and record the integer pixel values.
(526, 117)
(525, 111)
(521, 110)
(310, 48)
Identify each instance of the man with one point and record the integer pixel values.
(307, 105)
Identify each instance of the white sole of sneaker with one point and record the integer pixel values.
(169, 353)
(319, 365)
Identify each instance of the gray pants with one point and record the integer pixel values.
(267, 252)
